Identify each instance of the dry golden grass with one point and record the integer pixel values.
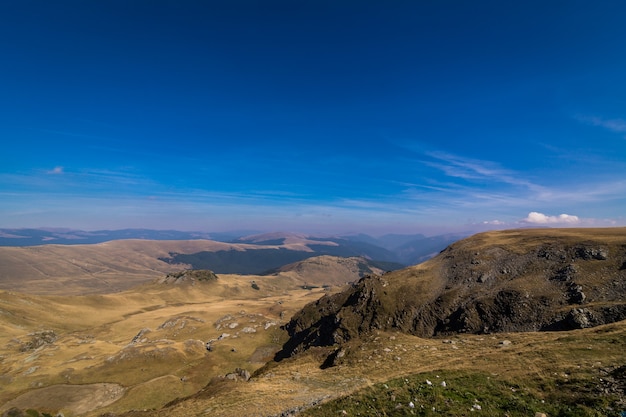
(326, 270)
(532, 359)
(520, 240)
(123, 264)
(169, 361)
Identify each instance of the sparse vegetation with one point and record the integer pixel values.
(168, 349)
(474, 393)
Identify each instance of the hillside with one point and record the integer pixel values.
(93, 269)
(510, 281)
(143, 347)
(332, 270)
(122, 264)
(467, 333)
(405, 249)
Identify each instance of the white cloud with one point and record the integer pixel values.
(540, 218)
(494, 222)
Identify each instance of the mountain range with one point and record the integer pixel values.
(518, 322)
(402, 249)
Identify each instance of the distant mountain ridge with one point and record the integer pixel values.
(36, 237)
(402, 249)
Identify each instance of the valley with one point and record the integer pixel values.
(149, 342)
(319, 336)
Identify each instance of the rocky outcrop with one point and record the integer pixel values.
(238, 375)
(511, 281)
(189, 277)
(38, 339)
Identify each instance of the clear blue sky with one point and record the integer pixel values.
(312, 116)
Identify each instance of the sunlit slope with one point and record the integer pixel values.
(99, 268)
(119, 265)
(149, 342)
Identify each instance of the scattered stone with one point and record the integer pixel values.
(30, 370)
(600, 254)
(334, 359)
(189, 277)
(428, 382)
(566, 274)
(39, 339)
(443, 384)
(248, 329)
(505, 343)
(579, 318)
(240, 374)
(575, 294)
(243, 373)
(181, 322)
(139, 337)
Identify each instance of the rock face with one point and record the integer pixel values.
(508, 281)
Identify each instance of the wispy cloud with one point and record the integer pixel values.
(56, 170)
(614, 125)
(475, 169)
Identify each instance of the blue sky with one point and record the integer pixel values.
(312, 116)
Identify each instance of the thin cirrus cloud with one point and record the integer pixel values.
(475, 169)
(56, 170)
(614, 125)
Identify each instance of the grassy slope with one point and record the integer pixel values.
(120, 265)
(94, 334)
(539, 366)
(537, 372)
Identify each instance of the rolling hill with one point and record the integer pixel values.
(406, 249)
(122, 264)
(519, 322)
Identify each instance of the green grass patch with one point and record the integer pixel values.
(471, 394)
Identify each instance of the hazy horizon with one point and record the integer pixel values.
(313, 117)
